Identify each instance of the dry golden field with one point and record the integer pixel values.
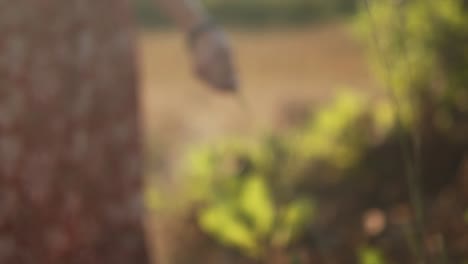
(282, 72)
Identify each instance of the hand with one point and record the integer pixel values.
(213, 60)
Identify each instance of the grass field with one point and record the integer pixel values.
(283, 72)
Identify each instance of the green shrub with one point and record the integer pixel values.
(240, 209)
(257, 12)
(249, 189)
(370, 255)
(417, 50)
(255, 195)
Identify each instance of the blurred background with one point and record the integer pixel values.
(346, 143)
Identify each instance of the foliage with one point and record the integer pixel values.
(240, 210)
(258, 12)
(332, 135)
(256, 195)
(370, 255)
(250, 189)
(416, 52)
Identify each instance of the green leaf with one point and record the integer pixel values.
(300, 212)
(371, 255)
(293, 220)
(256, 203)
(221, 222)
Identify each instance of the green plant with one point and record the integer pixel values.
(415, 51)
(257, 195)
(250, 189)
(240, 209)
(371, 255)
(417, 56)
